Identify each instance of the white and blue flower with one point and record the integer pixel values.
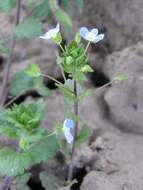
(52, 33)
(68, 125)
(91, 35)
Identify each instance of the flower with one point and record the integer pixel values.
(67, 126)
(51, 33)
(91, 35)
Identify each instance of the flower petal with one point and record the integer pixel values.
(98, 38)
(68, 135)
(94, 31)
(51, 33)
(68, 123)
(83, 32)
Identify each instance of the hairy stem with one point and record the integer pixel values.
(4, 89)
(71, 167)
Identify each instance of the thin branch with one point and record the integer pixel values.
(4, 89)
(9, 179)
(71, 167)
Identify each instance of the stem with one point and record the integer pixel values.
(9, 179)
(87, 47)
(62, 71)
(71, 167)
(52, 78)
(61, 47)
(12, 100)
(4, 90)
(105, 85)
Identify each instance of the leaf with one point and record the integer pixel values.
(79, 4)
(7, 5)
(15, 163)
(121, 77)
(21, 83)
(4, 49)
(49, 181)
(44, 150)
(33, 70)
(86, 68)
(29, 28)
(84, 134)
(84, 94)
(43, 90)
(41, 10)
(63, 17)
(21, 119)
(66, 91)
(78, 37)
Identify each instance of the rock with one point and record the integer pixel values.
(118, 164)
(124, 99)
(38, 52)
(121, 20)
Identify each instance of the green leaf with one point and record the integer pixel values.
(43, 90)
(86, 68)
(53, 4)
(63, 17)
(7, 5)
(33, 70)
(4, 49)
(13, 163)
(21, 83)
(84, 134)
(84, 94)
(21, 119)
(57, 39)
(66, 91)
(29, 28)
(79, 4)
(41, 10)
(49, 181)
(78, 38)
(121, 77)
(44, 150)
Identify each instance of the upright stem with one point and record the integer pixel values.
(9, 179)
(9, 60)
(71, 167)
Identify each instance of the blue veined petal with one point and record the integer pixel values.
(98, 38)
(68, 123)
(68, 135)
(94, 31)
(83, 31)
